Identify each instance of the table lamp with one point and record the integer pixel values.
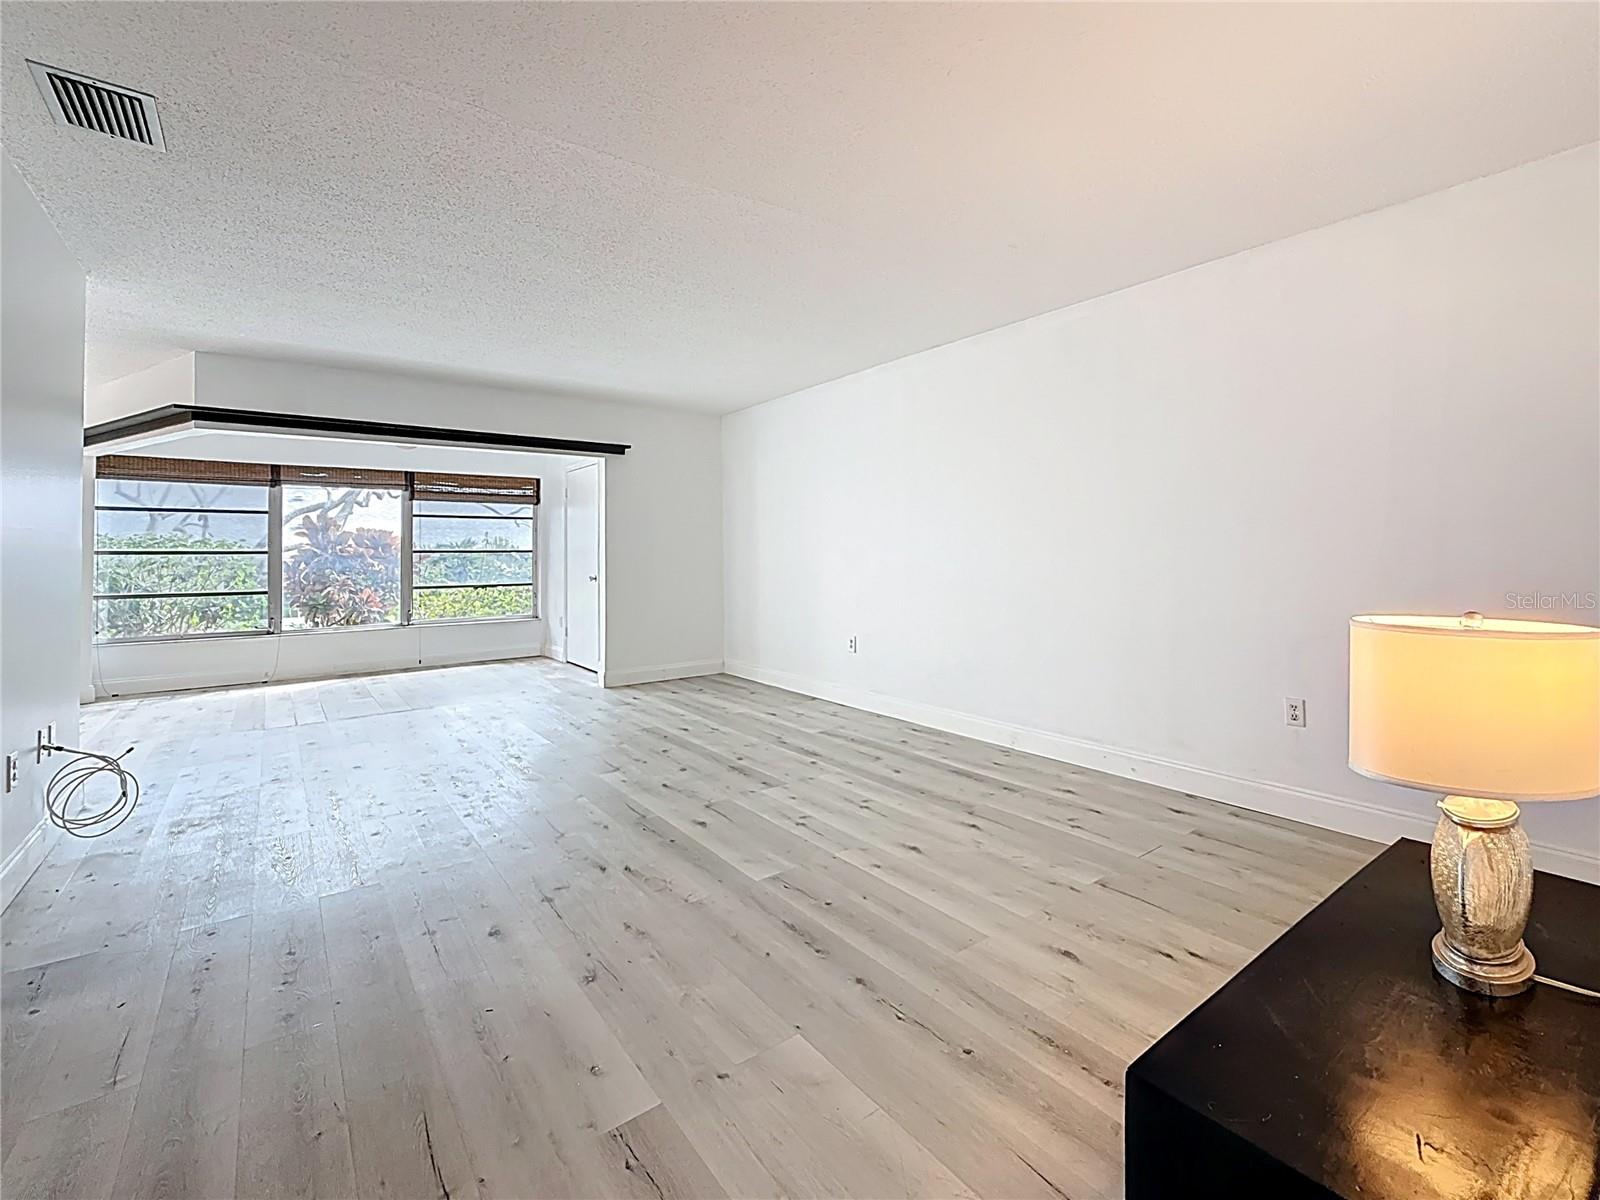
(1489, 712)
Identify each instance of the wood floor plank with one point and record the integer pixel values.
(653, 1159)
(725, 830)
(77, 1029)
(184, 1133)
(494, 931)
(823, 1136)
(405, 1135)
(294, 1140)
(603, 1077)
(519, 1128)
(70, 1154)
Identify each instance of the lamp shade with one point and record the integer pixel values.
(1474, 706)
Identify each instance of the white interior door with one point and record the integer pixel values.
(583, 566)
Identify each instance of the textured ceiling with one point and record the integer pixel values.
(713, 204)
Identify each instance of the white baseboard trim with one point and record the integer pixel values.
(22, 862)
(1339, 813)
(686, 670)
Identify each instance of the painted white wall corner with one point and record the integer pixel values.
(41, 481)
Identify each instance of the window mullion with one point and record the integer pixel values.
(407, 558)
(275, 557)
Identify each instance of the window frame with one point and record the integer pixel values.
(96, 553)
(277, 533)
(409, 587)
(273, 553)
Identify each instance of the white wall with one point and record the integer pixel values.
(169, 382)
(41, 443)
(133, 668)
(1122, 533)
(663, 499)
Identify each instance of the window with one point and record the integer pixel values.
(341, 547)
(192, 549)
(471, 560)
(472, 547)
(176, 557)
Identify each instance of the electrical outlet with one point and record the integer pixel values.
(11, 771)
(50, 736)
(1294, 712)
(852, 643)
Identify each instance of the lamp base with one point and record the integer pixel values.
(1482, 870)
(1487, 979)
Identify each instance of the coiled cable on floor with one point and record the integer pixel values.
(67, 786)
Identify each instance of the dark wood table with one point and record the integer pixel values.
(1338, 1064)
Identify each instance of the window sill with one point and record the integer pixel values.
(171, 638)
(321, 629)
(474, 621)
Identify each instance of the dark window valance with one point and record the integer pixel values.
(342, 477)
(180, 470)
(487, 489)
(425, 485)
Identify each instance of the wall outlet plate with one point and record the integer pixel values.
(12, 767)
(1294, 712)
(852, 643)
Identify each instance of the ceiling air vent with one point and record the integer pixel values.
(103, 107)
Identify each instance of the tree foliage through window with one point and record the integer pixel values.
(341, 557)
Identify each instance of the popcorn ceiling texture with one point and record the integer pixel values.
(711, 205)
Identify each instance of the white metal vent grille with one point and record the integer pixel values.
(87, 103)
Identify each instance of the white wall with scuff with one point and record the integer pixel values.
(662, 597)
(41, 432)
(1122, 533)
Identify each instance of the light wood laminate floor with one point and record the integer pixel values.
(493, 931)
